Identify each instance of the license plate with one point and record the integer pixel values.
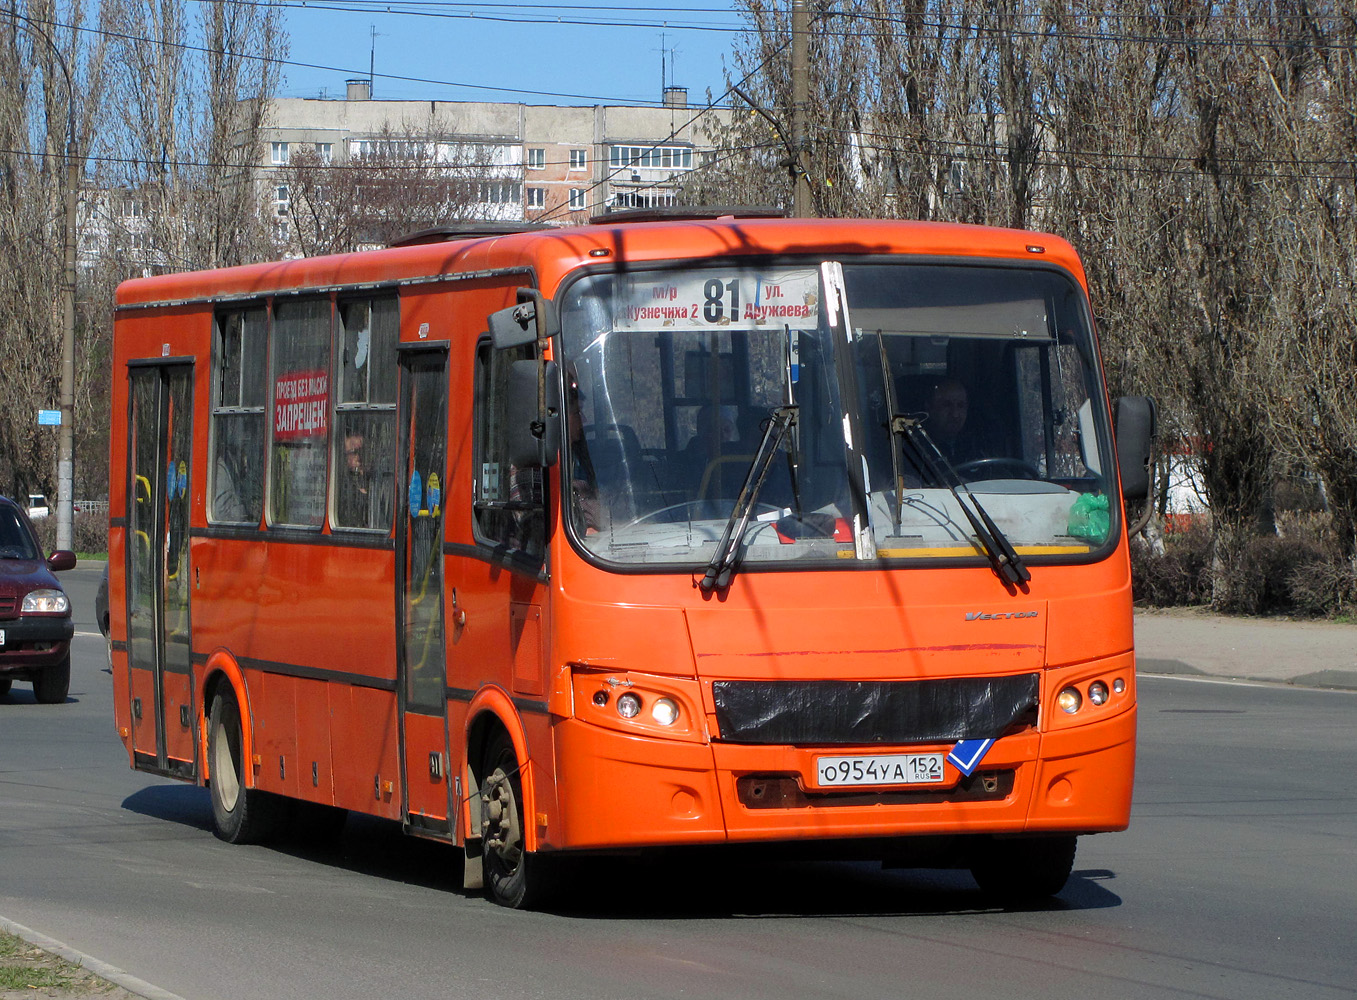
(880, 769)
(2, 637)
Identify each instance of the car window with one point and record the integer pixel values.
(15, 540)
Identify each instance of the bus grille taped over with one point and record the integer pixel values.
(926, 711)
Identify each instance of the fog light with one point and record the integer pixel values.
(1119, 685)
(629, 706)
(1069, 701)
(1097, 693)
(600, 698)
(664, 711)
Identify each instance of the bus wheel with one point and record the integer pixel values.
(52, 683)
(240, 815)
(1024, 870)
(511, 874)
(5, 684)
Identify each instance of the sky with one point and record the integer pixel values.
(605, 51)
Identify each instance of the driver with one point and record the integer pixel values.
(948, 407)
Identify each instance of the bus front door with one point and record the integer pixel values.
(159, 650)
(421, 670)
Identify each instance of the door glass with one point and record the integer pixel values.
(143, 450)
(425, 415)
(179, 418)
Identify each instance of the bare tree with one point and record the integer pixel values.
(407, 177)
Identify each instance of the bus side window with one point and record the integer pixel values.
(509, 502)
(238, 393)
(364, 452)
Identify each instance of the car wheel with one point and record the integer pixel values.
(52, 685)
(240, 815)
(1024, 870)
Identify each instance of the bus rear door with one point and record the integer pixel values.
(158, 496)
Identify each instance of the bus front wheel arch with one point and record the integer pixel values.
(511, 875)
(240, 814)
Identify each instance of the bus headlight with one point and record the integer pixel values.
(1097, 693)
(664, 711)
(629, 706)
(1069, 700)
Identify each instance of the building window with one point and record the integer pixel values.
(499, 193)
(282, 200)
(652, 157)
(326, 152)
(644, 198)
(537, 159)
(279, 153)
(578, 159)
(537, 197)
(576, 199)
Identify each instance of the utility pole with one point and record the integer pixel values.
(66, 402)
(801, 203)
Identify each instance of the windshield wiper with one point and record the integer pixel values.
(1008, 566)
(727, 555)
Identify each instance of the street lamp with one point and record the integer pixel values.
(66, 436)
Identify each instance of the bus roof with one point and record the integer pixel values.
(550, 254)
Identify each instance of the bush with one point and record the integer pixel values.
(89, 532)
(1180, 576)
(1298, 571)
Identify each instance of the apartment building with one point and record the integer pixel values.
(557, 164)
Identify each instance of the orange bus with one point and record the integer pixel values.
(634, 535)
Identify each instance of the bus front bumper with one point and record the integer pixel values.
(629, 792)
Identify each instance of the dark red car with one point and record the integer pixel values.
(35, 614)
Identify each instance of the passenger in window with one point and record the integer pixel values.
(227, 503)
(357, 506)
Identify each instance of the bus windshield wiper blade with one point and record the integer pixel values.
(1008, 566)
(727, 554)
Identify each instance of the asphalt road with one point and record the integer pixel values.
(1236, 880)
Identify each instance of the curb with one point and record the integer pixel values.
(112, 973)
(1321, 680)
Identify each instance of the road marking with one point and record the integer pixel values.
(91, 635)
(112, 973)
(1240, 682)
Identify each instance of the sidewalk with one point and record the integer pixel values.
(1307, 654)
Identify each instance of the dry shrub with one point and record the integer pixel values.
(1180, 576)
(89, 532)
(1299, 571)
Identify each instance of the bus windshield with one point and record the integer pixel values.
(902, 381)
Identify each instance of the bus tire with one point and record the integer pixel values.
(1024, 870)
(240, 815)
(5, 684)
(512, 876)
(52, 684)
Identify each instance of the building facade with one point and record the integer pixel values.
(521, 162)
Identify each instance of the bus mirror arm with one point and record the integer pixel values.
(533, 442)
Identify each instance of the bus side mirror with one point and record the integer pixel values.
(533, 437)
(531, 320)
(1135, 419)
(514, 327)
